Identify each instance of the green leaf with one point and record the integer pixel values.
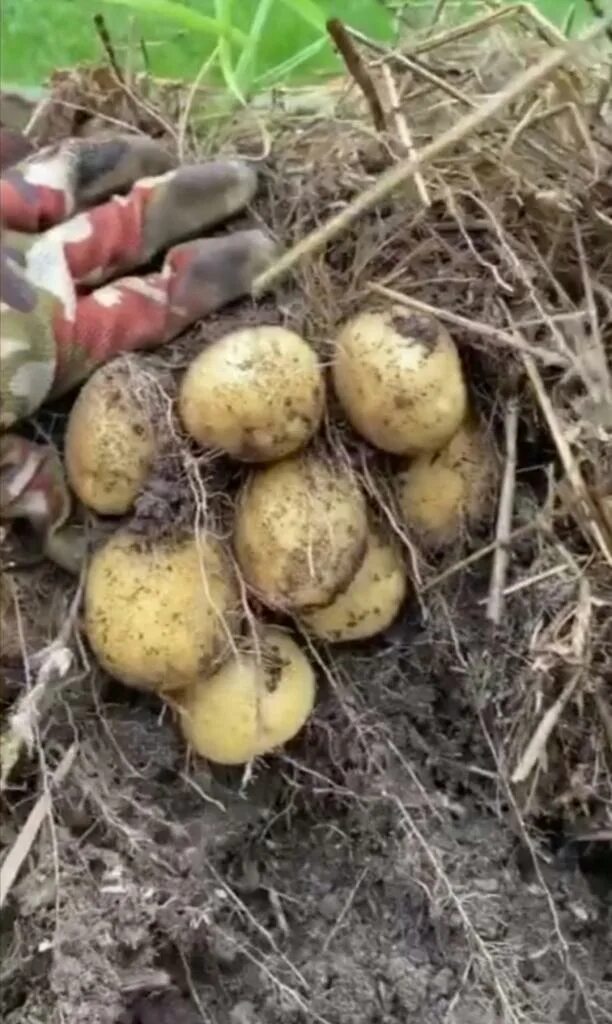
(182, 15)
(283, 70)
(568, 21)
(309, 11)
(223, 10)
(246, 62)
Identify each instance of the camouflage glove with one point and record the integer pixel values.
(67, 304)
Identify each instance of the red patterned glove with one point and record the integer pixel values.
(70, 299)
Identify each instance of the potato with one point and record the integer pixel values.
(252, 704)
(158, 615)
(300, 531)
(110, 440)
(441, 494)
(370, 602)
(399, 380)
(257, 394)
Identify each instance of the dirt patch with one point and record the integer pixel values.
(369, 874)
(389, 865)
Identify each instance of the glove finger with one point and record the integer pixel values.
(145, 312)
(27, 346)
(33, 487)
(52, 184)
(126, 232)
(14, 146)
(208, 274)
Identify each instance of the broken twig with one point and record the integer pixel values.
(501, 558)
(25, 840)
(357, 69)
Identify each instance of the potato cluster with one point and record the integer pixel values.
(179, 616)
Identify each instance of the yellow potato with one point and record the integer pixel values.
(300, 531)
(257, 394)
(110, 440)
(398, 378)
(252, 704)
(370, 602)
(442, 494)
(160, 614)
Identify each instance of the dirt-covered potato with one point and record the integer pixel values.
(160, 614)
(372, 599)
(300, 531)
(253, 704)
(399, 380)
(256, 394)
(110, 439)
(441, 494)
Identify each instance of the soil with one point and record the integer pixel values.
(374, 872)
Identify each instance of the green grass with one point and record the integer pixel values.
(264, 41)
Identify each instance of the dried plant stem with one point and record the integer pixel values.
(402, 172)
(53, 664)
(107, 45)
(537, 744)
(501, 338)
(495, 604)
(452, 570)
(588, 514)
(417, 67)
(357, 69)
(403, 131)
(24, 841)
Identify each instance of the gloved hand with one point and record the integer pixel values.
(67, 304)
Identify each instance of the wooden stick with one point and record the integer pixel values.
(357, 69)
(402, 172)
(495, 603)
(403, 131)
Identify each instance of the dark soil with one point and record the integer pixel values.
(375, 872)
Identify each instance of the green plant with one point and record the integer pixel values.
(249, 44)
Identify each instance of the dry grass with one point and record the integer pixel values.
(506, 234)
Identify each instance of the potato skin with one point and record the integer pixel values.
(372, 599)
(159, 615)
(257, 394)
(251, 705)
(399, 379)
(300, 531)
(110, 440)
(439, 495)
